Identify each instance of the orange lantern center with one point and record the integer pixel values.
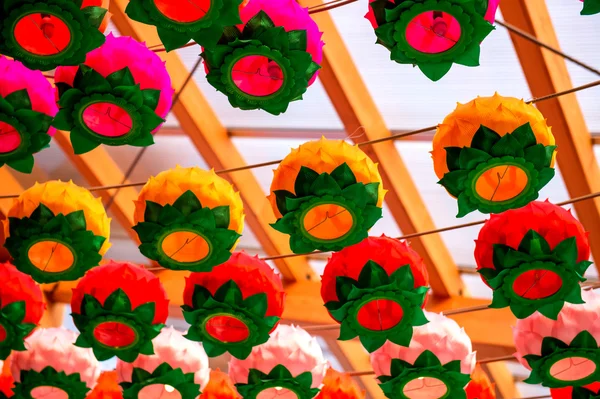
(51, 256)
(48, 392)
(184, 11)
(572, 369)
(380, 315)
(42, 34)
(537, 284)
(185, 247)
(257, 75)
(107, 119)
(425, 388)
(501, 183)
(276, 393)
(10, 139)
(227, 328)
(159, 391)
(114, 334)
(433, 32)
(328, 221)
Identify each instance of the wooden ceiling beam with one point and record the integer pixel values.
(358, 113)
(547, 73)
(210, 137)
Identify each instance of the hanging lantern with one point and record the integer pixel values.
(57, 231)
(27, 106)
(178, 369)
(590, 7)
(52, 367)
(493, 154)
(591, 391)
(21, 308)
(44, 35)
(107, 387)
(7, 382)
(437, 363)
(338, 385)
(202, 21)
(269, 60)
(219, 387)
(376, 289)
(480, 386)
(234, 307)
(188, 219)
(290, 364)
(562, 352)
(119, 308)
(533, 258)
(326, 195)
(119, 96)
(433, 34)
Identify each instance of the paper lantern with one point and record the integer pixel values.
(533, 258)
(234, 307)
(119, 96)
(338, 385)
(590, 7)
(562, 352)
(52, 367)
(493, 154)
(27, 106)
(480, 386)
(433, 34)
(437, 363)
(290, 363)
(7, 382)
(188, 219)
(376, 289)
(21, 308)
(56, 231)
(44, 35)
(326, 195)
(107, 387)
(202, 21)
(591, 391)
(269, 59)
(178, 369)
(219, 387)
(119, 308)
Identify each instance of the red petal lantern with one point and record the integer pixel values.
(21, 308)
(480, 386)
(567, 392)
(368, 291)
(119, 308)
(234, 307)
(533, 258)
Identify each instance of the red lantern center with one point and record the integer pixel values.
(257, 75)
(114, 334)
(537, 284)
(380, 315)
(159, 391)
(276, 393)
(10, 139)
(42, 34)
(425, 388)
(572, 369)
(184, 11)
(107, 119)
(226, 328)
(3, 333)
(433, 32)
(48, 392)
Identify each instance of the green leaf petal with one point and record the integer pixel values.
(534, 244)
(132, 94)
(172, 39)
(507, 146)
(187, 203)
(122, 77)
(304, 181)
(524, 134)
(435, 71)
(484, 139)
(151, 98)
(23, 165)
(221, 214)
(118, 302)
(470, 57)
(343, 175)
(471, 157)
(81, 143)
(19, 99)
(94, 15)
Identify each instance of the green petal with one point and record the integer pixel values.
(172, 39)
(19, 99)
(435, 71)
(81, 143)
(484, 139)
(23, 165)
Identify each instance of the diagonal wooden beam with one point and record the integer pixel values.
(210, 137)
(357, 111)
(547, 73)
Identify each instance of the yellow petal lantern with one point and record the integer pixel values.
(56, 231)
(326, 195)
(188, 219)
(494, 154)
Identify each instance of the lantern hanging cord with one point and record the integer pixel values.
(364, 143)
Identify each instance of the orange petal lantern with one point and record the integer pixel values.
(480, 386)
(7, 382)
(219, 387)
(107, 387)
(338, 385)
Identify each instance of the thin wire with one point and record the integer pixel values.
(329, 6)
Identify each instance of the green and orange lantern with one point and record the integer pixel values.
(46, 34)
(119, 308)
(234, 307)
(534, 258)
(376, 290)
